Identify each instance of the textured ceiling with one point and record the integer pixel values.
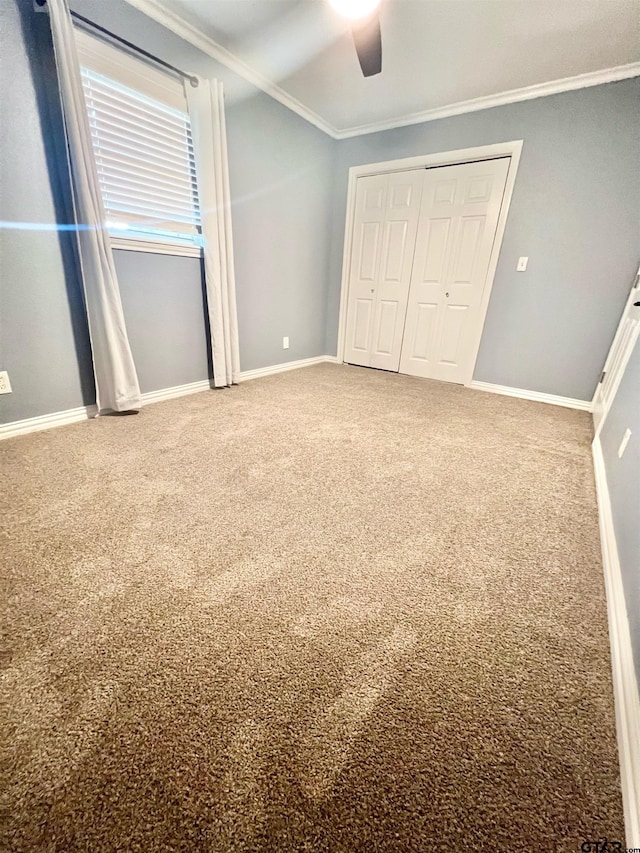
(435, 52)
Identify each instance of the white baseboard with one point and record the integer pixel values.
(83, 412)
(176, 391)
(536, 396)
(28, 425)
(72, 416)
(288, 365)
(625, 685)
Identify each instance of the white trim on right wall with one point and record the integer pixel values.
(617, 359)
(625, 686)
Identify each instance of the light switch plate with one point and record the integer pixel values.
(285, 343)
(5, 385)
(522, 264)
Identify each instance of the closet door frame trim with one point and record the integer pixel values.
(512, 150)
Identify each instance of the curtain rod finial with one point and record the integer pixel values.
(194, 82)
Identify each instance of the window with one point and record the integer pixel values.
(143, 150)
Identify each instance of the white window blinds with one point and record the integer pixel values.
(144, 156)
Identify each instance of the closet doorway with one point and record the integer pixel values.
(421, 246)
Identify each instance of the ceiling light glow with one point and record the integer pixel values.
(354, 9)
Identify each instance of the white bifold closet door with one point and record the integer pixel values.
(456, 230)
(384, 237)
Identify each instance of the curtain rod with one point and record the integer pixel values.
(193, 80)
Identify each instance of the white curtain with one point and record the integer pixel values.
(206, 111)
(117, 386)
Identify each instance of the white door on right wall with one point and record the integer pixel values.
(456, 231)
(621, 349)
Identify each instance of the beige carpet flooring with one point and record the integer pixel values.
(331, 610)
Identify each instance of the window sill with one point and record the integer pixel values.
(131, 245)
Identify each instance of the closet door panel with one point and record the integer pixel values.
(386, 218)
(398, 246)
(371, 196)
(456, 229)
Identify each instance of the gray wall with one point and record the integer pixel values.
(575, 213)
(623, 478)
(280, 178)
(164, 306)
(280, 174)
(43, 336)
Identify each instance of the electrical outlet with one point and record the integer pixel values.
(522, 264)
(5, 385)
(285, 343)
(624, 442)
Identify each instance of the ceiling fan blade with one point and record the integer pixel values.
(368, 42)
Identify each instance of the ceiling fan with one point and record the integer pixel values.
(365, 28)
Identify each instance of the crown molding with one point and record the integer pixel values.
(182, 28)
(513, 96)
(191, 34)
